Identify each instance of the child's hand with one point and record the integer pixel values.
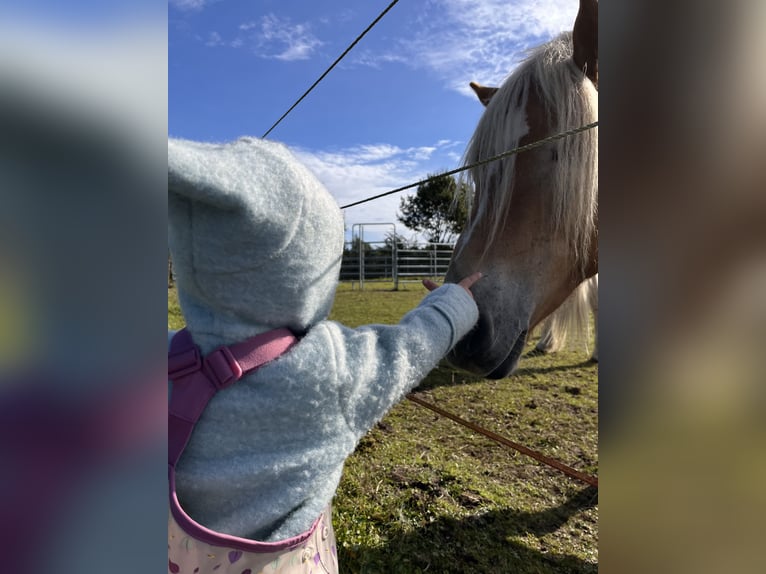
(465, 283)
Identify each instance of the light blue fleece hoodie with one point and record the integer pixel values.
(256, 243)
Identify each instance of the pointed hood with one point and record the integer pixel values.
(256, 240)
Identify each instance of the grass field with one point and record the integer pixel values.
(423, 494)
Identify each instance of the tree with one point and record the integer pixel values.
(433, 210)
(357, 245)
(402, 243)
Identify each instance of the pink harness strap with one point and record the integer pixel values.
(195, 382)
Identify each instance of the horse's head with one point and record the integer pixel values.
(532, 229)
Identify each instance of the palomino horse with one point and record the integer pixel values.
(572, 313)
(533, 224)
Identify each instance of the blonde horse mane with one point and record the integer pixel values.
(570, 100)
(572, 317)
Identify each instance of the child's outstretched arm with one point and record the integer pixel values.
(377, 365)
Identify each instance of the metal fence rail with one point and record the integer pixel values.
(386, 261)
(432, 261)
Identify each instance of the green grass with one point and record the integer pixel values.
(175, 318)
(423, 494)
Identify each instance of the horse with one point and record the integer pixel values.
(572, 314)
(533, 217)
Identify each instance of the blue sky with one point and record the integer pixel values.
(397, 108)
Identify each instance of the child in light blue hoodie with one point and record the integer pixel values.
(256, 243)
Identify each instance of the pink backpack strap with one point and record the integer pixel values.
(196, 380)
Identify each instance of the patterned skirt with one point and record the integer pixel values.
(313, 553)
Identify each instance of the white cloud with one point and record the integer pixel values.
(377, 60)
(355, 173)
(214, 40)
(482, 40)
(271, 37)
(371, 153)
(189, 5)
(280, 39)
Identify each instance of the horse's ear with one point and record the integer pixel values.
(484, 93)
(585, 39)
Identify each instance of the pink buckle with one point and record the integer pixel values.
(183, 364)
(223, 368)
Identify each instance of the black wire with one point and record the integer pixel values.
(327, 71)
(478, 163)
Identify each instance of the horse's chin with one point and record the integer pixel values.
(509, 364)
(488, 363)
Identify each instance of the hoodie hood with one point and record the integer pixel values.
(256, 239)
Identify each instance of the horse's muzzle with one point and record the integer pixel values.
(487, 353)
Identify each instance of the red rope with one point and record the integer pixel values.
(592, 480)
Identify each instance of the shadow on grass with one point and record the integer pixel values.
(552, 369)
(447, 376)
(488, 543)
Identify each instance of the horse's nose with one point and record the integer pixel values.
(490, 350)
(467, 353)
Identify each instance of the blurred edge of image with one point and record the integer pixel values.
(682, 372)
(83, 264)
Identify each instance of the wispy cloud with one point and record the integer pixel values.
(270, 37)
(281, 39)
(358, 172)
(214, 39)
(189, 5)
(379, 152)
(378, 60)
(483, 40)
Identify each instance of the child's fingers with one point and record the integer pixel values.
(467, 282)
